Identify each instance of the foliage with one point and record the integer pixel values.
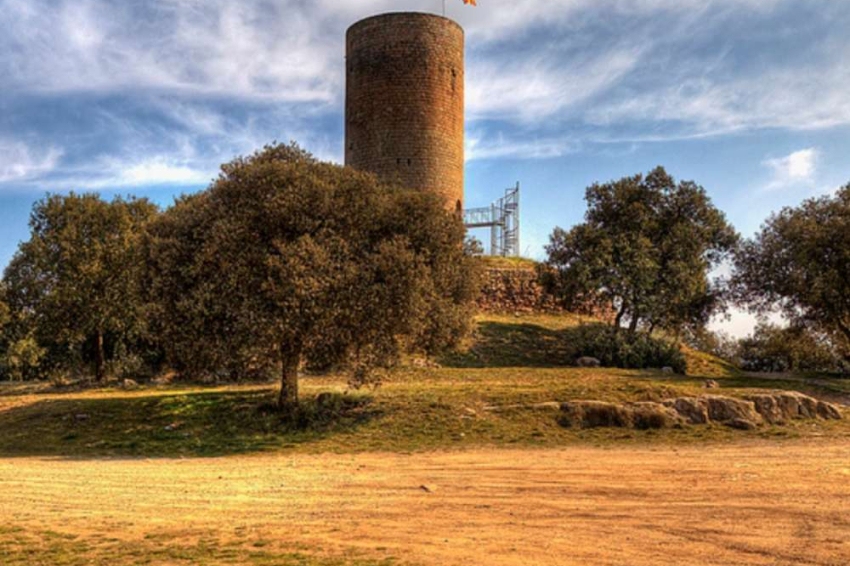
(5, 315)
(286, 260)
(74, 286)
(716, 343)
(22, 359)
(800, 264)
(472, 246)
(626, 350)
(772, 348)
(645, 250)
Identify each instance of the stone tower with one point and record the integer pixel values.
(404, 102)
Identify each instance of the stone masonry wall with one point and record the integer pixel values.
(404, 102)
(513, 290)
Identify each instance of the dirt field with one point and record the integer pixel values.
(746, 503)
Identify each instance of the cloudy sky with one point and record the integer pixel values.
(747, 97)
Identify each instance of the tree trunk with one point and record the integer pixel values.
(99, 359)
(634, 323)
(619, 319)
(287, 401)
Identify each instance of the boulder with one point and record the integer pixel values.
(692, 409)
(722, 409)
(796, 405)
(782, 406)
(710, 384)
(647, 415)
(593, 414)
(129, 384)
(769, 408)
(666, 369)
(588, 362)
(741, 424)
(828, 411)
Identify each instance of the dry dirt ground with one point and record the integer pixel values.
(744, 503)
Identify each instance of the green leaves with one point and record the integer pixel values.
(286, 259)
(800, 264)
(78, 278)
(644, 251)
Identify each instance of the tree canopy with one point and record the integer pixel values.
(287, 260)
(799, 263)
(793, 348)
(76, 281)
(644, 251)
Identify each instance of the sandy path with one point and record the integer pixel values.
(757, 503)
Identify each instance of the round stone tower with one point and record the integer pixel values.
(404, 102)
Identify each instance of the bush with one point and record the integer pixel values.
(772, 348)
(615, 347)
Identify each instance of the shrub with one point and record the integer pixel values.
(614, 347)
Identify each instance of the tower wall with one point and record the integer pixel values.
(404, 102)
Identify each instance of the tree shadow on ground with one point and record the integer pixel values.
(195, 424)
(499, 344)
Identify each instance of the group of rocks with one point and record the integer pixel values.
(746, 413)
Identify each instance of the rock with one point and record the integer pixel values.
(649, 415)
(692, 409)
(593, 414)
(769, 408)
(828, 411)
(796, 405)
(710, 384)
(722, 409)
(782, 406)
(588, 362)
(470, 411)
(546, 405)
(129, 384)
(666, 369)
(424, 363)
(741, 424)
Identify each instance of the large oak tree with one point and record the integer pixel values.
(287, 260)
(800, 263)
(77, 279)
(644, 251)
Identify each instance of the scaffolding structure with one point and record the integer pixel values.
(502, 217)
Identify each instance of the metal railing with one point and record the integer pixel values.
(502, 217)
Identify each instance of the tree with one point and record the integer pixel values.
(77, 280)
(794, 348)
(644, 250)
(5, 315)
(799, 263)
(286, 260)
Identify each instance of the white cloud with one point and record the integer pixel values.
(625, 70)
(158, 172)
(20, 162)
(481, 146)
(795, 168)
(535, 87)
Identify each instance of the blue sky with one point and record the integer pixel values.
(747, 97)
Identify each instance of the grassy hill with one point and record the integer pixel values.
(481, 396)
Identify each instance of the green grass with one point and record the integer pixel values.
(23, 547)
(511, 361)
(497, 262)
